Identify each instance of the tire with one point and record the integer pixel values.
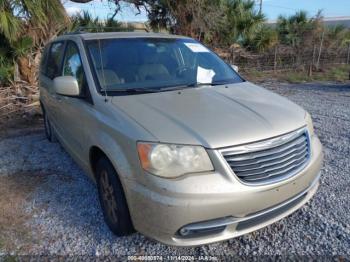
(112, 199)
(50, 135)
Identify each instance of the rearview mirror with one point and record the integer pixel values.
(235, 67)
(66, 85)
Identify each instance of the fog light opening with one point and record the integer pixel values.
(188, 232)
(184, 232)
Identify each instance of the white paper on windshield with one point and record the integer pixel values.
(205, 75)
(197, 48)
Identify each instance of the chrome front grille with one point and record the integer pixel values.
(269, 160)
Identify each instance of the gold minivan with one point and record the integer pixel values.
(181, 147)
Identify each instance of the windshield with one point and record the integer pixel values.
(156, 64)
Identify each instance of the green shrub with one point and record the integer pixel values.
(6, 71)
(6, 74)
(340, 73)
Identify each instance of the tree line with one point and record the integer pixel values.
(27, 25)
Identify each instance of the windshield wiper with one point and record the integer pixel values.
(183, 86)
(216, 83)
(133, 90)
(163, 89)
(198, 84)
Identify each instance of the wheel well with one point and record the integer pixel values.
(95, 154)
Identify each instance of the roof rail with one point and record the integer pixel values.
(102, 29)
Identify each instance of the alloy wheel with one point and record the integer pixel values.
(108, 196)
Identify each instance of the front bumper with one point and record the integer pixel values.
(216, 206)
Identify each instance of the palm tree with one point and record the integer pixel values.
(300, 32)
(338, 36)
(219, 21)
(10, 25)
(27, 25)
(294, 30)
(6, 65)
(291, 29)
(86, 22)
(241, 20)
(264, 38)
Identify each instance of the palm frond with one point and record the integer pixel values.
(10, 25)
(22, 46)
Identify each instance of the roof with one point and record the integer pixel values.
(341, 20)
(111, 35)
(329, 21)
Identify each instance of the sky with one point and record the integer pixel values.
(271, 8)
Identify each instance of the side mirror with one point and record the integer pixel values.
(66, 85)
(235, 67)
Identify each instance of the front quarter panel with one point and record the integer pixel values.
(116, 135)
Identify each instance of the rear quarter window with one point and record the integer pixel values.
(54, 61)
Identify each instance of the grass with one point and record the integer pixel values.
(339, 73)
(254, 74)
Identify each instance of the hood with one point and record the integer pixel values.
(215, 116)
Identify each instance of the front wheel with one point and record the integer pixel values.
(111, 194)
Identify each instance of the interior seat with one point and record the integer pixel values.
(151, 68)
(153, 72)
(106, 77)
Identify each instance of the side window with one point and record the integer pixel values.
(54, 61)
(72, 65)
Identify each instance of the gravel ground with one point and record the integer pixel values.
(65, 217)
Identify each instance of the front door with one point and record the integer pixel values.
(48, 71)
(74, 110)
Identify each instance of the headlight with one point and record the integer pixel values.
(309, 124)
(167, 160)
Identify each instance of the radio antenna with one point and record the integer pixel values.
(103, 71)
